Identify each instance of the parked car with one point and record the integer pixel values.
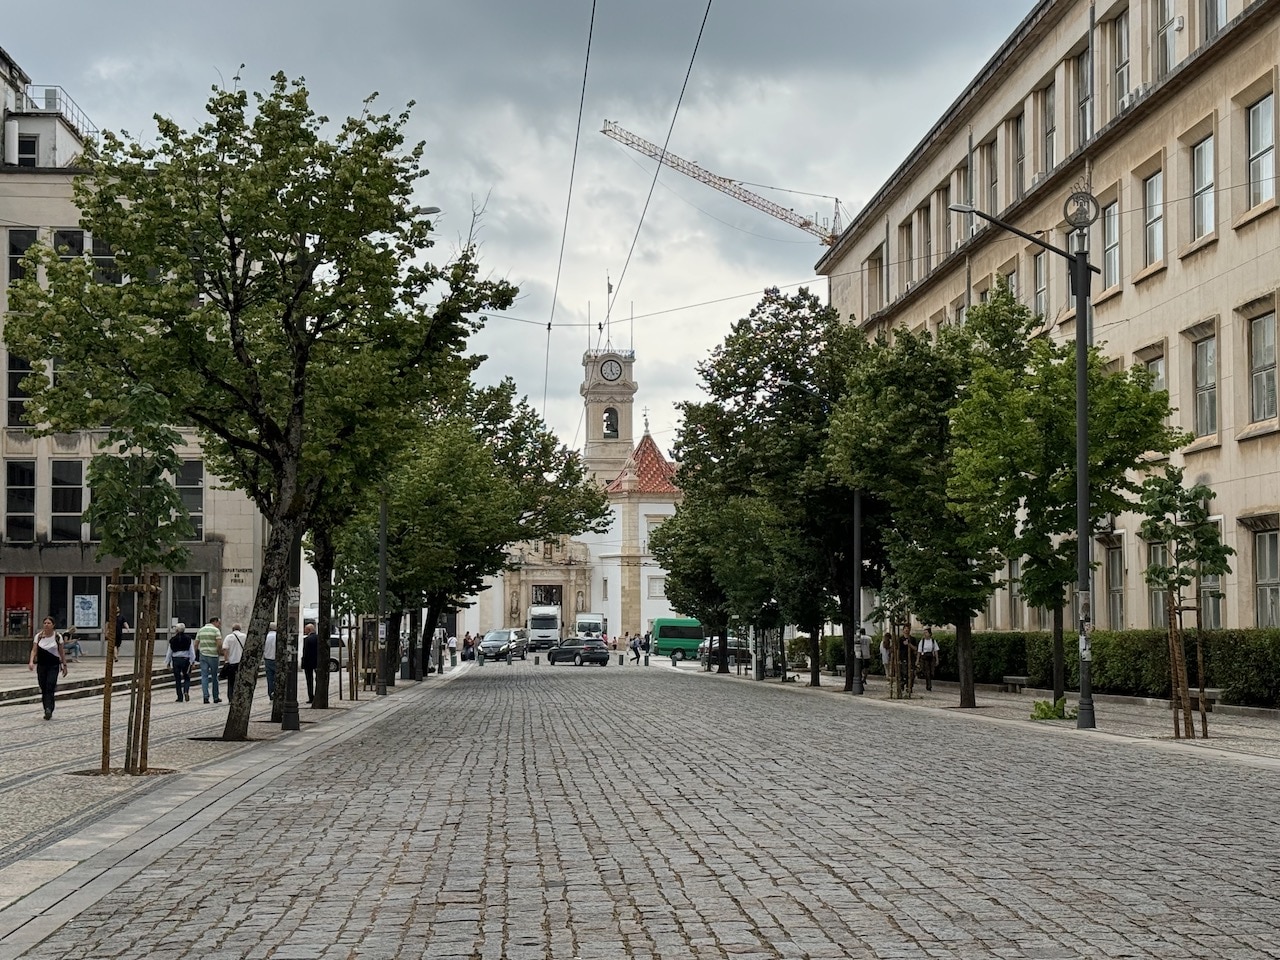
(738, 651)
(498, 644)
(579, 650)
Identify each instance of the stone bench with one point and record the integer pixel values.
(1016, 684)
(1211, 696)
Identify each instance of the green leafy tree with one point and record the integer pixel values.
(891, 436)
(1014, 428)
(273, 293)
(689, 547)
(1178, 517)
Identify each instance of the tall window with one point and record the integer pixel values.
(20, 501)
(1215, 16)
(993, 176)
(17, 397)
(1050, 126)
(1157, 599)
(1202, 213)
(186, 598)
(1115, 588)
(1153, 218)
(1206, 373)
(944, 207)
(67, 479)
(1084, 98)
(1262, 368)
(1040, 272)
(1120, 57)
(1111, 245)
(1015, 594)
(190, 486)
(19, 241)
(1155, 367)
(926, 239)
(1209, 589)
(1019, 155)
(657, 588)
(1262, 150)
(1166, 38)
(1011, 281)
(1266, 566)
(876, 280)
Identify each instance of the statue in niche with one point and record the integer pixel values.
(581, 602)
(611, 424)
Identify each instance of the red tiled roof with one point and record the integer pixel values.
(652, 471)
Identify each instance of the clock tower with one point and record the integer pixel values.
(608, 391)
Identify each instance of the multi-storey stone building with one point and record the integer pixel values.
(47, 555)
(1166, 111)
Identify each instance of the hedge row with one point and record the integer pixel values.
(1135, 663)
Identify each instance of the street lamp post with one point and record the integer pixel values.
(381, 689)
(1080, 210)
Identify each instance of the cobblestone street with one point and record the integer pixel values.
(528, 812)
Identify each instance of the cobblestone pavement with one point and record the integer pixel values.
(528, 812)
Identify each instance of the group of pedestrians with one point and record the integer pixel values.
(913, 657)
(219, 658)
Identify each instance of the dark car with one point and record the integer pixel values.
(579, 650)
(739, 652)
(499, 644)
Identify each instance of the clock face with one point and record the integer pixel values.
(611, 369)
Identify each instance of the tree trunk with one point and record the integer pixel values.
(1204, 713)
(964, 659)
(1059, 656)
(281, 541)
(849, 628)
(815, 655)
(113, 613)
(393, 645)
(1189, 727)
(415, 649)
(151, 618)
(282, 666)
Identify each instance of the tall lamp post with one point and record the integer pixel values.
(1081, 211)
(381, 689)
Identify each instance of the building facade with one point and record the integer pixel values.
(1166, 111)
(612, 572)
(47, 553)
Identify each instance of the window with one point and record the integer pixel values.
(1040, 273)
(68, 500)
(1111, 245)
(1120, 57)
(657, 588)
(1202, 213)
(993, 176)
(1157, 599)
(609, 424)
(19, 370)
(1266, 566)
(906, 244)
(1084, 98)
(1166, 38)
(1262, 151)
(1215, 16)
(1019, 155)
(1153, 218)
(186, 596)
(1011, 281)
(1155, 367)
(1015, 594)
(190, 486)
(28, 150)
(20, 501)
(876, 280)
(926, 239)
(19, 241)
(1262, 368)
(1050, 126)
(1205, 361)
(87, 609)
(604, 584)
(1209, 588)
(944, 205)
(1115, 588)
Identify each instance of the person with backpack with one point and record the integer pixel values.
(635, 647)
(928, 654)
(48, 658)
(232, 650)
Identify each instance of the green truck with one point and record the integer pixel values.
(677, 637)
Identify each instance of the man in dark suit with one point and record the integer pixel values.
(310, 657)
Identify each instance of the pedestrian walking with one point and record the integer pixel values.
(310, 657)
(121, 626)
(269, 661)
(233, 650)
(208, 645)
(863, 650)
(178, 658)
(906, 659)
(644, 645)
(453, 649)
(635, 647)
(48, 659)
(886, 656)
(928, 653)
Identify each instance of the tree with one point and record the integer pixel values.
(1015, 466)
(138, 517)
(1179, 518)
(891, 436)
(273, 292)
(689, 547)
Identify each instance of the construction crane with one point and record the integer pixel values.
(723, 184)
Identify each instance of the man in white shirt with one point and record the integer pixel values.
(269, 659)
(232, 651)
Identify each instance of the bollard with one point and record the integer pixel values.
(482, 659)
(646, 659)
(535, 659)
(453, 658)
(508, 658)
(621, 659)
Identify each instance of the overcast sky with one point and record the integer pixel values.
(822, 96)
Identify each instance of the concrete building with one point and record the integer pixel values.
(611, 573)
(1166, 111)
(47, 555)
